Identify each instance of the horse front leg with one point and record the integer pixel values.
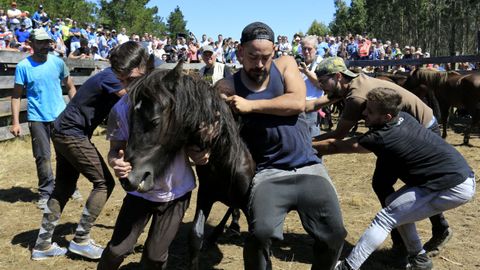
(475, 117)
(235, 224)
(197, 233)
(444, 113)
(220, 227)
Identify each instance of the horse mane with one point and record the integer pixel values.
(193, 104)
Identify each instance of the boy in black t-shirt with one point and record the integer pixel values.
(436, 176)
(83, 52)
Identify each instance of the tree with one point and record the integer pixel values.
(131, 14)
(340, 24)
(176, 24)
(358, 17)
(318, 29)
(82, 11)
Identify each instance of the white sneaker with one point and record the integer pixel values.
(88, 249)
(53, 251)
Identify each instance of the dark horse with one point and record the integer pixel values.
(447, 89)
(171, 110)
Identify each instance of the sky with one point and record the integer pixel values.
(227, 17)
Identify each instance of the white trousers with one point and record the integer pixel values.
(404, 207)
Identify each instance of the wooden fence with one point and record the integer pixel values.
(81, 70)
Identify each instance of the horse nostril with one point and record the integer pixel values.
(146, 183)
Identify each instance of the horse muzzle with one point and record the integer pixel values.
(143, 185)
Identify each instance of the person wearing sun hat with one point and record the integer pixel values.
(213, 71)
(14, 16)
(339, 83)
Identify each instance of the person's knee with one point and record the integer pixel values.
(385, 220)
(104, 184)
(333, 236)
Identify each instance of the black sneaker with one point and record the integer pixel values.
(419, 262)
(437, 242)
(343, 265)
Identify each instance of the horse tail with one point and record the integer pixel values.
(433, 102)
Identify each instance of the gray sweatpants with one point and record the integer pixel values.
(309, 191)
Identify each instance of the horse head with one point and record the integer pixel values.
(169, 110)
(155, 133)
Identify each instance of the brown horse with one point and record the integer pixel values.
(449, 89)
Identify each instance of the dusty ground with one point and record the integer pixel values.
(350, 173)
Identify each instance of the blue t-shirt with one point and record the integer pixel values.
(322, 48)
(55, 35)
(22, 35)
(90, 105)
(73, 31)
(43, 84)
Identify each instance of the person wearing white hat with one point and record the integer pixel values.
(213, 71)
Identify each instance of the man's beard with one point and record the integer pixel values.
(258, 77)
(336, 92)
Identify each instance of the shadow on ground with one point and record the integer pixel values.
(17, 194)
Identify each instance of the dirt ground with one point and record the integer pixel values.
(351, 174)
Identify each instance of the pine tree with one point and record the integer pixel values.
(176, 24)
(318, 29)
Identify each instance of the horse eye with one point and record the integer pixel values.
(155, 122)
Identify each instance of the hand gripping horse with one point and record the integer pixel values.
(171, 110)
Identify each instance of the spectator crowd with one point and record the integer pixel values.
(77, 40)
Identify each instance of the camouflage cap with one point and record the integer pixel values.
(39, 34)
(332, 65)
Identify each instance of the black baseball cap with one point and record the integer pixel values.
(257, 30)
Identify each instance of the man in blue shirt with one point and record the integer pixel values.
(41, 75)
(22, 34)
(75, 35)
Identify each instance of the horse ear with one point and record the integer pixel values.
(151, 63)
(175, 74)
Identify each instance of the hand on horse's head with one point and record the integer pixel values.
(120, 166)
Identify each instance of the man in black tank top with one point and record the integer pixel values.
(271, 98)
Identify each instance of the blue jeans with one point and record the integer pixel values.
(40, 133)
(404, 207)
